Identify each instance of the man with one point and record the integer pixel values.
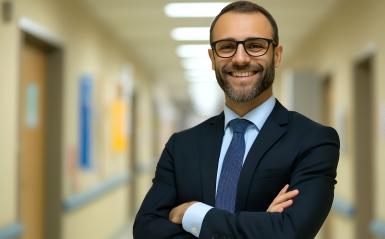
(226, 177)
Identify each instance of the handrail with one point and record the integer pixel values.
(145, 167)
(13, 230)
(343, 207)
(378, 228)
(83, 198)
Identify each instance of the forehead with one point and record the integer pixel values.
(241, 26)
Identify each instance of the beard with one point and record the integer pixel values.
(246, 94)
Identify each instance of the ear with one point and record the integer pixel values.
(278, 55)
(212, 58)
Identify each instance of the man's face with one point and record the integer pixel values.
(243, 77)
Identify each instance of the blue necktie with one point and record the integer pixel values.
(232, 165)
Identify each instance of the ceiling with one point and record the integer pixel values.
(145, 29)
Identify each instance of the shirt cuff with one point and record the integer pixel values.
(193, 218)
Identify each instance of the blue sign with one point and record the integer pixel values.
(85, 121)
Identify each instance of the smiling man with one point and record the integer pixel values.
(256, 170)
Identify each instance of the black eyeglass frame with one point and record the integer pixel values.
(269, 41)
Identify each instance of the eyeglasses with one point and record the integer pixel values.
(253, 46)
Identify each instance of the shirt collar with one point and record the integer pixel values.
(257, 116)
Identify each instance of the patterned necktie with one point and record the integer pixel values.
(232, 165)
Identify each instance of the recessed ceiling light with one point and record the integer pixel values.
(191, 33)
(194, 9)
(193, 50)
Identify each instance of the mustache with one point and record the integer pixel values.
(248, 67)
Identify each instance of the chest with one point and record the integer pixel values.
(263, 175)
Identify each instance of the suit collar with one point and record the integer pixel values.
(280, 114)
(211, 142)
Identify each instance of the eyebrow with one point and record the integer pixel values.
(248, 38)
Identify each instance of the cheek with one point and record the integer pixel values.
(268, 63)
(217, 65)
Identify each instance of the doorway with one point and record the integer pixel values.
(363, 146)
(40, 126)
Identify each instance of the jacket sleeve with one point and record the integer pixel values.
(152, 219)
(313, 174)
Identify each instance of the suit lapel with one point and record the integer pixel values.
(212, 142)
(273, 129)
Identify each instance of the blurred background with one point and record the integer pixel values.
(90, 91)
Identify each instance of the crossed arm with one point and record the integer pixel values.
(313, 175)
(165, 224)
(283, 200)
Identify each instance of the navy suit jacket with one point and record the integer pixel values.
(290, 149)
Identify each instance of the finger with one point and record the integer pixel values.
(171, 215)
(281, 206)
(286, 196)
(285, 204)
(174, 218)
(283, 190)
(275, 210)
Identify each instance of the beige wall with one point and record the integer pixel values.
(88, 48)
(98, 220)
(350, 33)
(8, 125)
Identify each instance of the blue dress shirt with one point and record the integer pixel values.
(194, 215)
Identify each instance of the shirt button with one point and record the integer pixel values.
(194, 230)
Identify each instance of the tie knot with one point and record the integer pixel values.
(239, 125)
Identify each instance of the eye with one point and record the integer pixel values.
(225, 46)
(255, 46)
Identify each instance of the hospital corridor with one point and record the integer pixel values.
(91, 91)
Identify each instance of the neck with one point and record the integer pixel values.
(243, 108)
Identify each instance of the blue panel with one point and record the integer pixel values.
(85, 121)
(343, 207)
(86, 197)
(11, 231)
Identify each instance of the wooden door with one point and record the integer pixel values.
(32, 130)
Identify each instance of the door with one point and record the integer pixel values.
(363, 146)
(32, 131)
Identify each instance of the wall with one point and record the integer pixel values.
(350, 33)
(88, 49)
(8, 125)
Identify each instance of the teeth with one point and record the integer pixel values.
(242, 74)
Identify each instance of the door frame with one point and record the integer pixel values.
(54, 123)
(365, 207)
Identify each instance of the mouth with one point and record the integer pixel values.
(242, 73)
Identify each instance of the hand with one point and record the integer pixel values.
(283, 200)
(177, 213)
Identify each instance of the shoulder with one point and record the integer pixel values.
(196, 132)
(311, 130)
(297, 123)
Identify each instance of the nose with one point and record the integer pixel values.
(241, 57)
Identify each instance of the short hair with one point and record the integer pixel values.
(246, 7)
